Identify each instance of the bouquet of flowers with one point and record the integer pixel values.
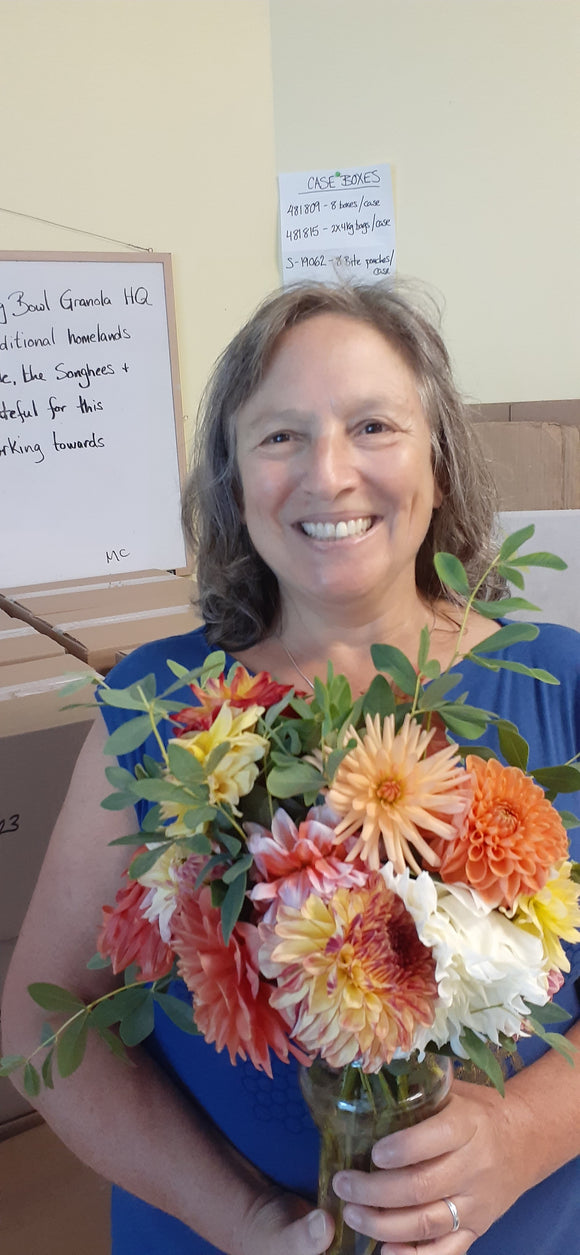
(342, 880)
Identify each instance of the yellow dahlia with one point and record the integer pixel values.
(388, 788)
(553, 914)
(354, 980)
(236, 772)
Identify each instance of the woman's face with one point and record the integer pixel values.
(334, 456)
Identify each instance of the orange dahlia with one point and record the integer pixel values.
(354, 980)
(511, 839)
(389, 787)
(126, 936)
(231, 1001)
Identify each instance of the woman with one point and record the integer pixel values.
(334, 460)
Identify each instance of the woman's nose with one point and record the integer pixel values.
(329, 464)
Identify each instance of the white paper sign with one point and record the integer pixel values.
(337, 225)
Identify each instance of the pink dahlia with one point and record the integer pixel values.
(294, 862)
(231, 1001)
(126, 936)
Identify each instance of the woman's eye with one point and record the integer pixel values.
(278, 437)
(374, 426)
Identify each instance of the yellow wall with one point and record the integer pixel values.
(164, 122)
(476, 105)
(150, 121)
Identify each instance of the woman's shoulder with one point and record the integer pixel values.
(554, 644)
(190, 649)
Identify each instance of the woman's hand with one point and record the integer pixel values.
(279, 1223)
(467, 1153)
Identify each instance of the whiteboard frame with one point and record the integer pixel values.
(139, 258)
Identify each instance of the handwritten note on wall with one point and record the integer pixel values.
(337, 225)
(89, 469)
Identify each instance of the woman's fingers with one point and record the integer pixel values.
(401, 1187)
(407, 1225)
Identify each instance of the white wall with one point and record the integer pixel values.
(476, 105)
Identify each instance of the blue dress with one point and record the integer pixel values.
(267, 1119)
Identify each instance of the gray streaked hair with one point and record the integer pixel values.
(238, 594)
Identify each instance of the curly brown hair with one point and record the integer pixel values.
(238, 594)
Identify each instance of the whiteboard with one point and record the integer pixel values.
(91, 444)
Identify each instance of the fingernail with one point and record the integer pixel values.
(353, 1217)
(317, 1225)
(381, 1156)
(341, 1185)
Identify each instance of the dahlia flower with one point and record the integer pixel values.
(354, 981)
(511, 838)
(553, 914)
(236, 772)
(127, 936)
(231, 1002)
(295, 862)
(387, 788)
(485, 965)
(244, 690)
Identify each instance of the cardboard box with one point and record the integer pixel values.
(39, 745)
(96, 599)
(124, 617)
(20, 642)
(536, 466)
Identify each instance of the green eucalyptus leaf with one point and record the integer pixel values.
(479, 751)
(569, 820)
(54, 997)
(213, 666)
(139, 1023)
(183, 764)
(71, 1045)
(145, 861)
(199, 844)
(511, 574)
(114, 1044)
(46, 1070)
(512, 542)
(452, 573)
(152, 820)
(548, 1013)
(542, 559)
(215, 758)
(499, 609)
(199, 815)
(238, 869)
(483, 1057)
(512, 745)
(122, 699)
(98, 961)
(129, 736)
(11, 1063)
(152, 767)
(232, 906)
(177, 669)
(294, 780)
(335, 758)
(564, 779)
(392, 660)
(117, 801)
(180, 1013)
(433, 695)
(432, 669)
(511, 634)
(464, 721)
(424, 643)
(232, 844)
(379, 698)
(120, 778)
(31, 1081)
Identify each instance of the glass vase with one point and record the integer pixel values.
(354, 1109)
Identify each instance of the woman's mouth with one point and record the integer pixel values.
(340, 530)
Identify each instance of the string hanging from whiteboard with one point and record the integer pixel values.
(63, 226)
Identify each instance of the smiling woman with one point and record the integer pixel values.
(334, 459)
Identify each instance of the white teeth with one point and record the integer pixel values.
(337, 531)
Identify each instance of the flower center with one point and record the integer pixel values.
(389, 790)
(505, 818)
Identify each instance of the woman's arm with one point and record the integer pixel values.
(481, 1151)
(131, 1124)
